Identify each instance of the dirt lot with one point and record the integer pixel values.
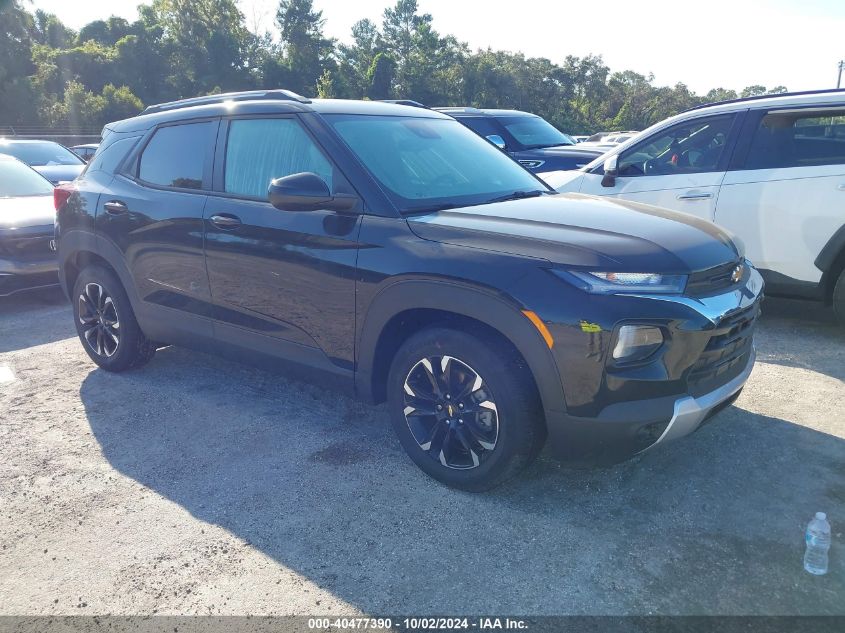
(199, 486)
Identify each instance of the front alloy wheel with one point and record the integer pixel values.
(99, 320)
(450, 412)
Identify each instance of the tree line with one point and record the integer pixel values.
(51, 75)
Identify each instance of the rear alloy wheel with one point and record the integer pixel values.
(105, 322)
(465, 408)
(99, 320)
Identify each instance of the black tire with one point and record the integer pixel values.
(464, 453)
(839, 298)
(113, 348)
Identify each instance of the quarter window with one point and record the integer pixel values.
(687, 148)
(798, 139)
(176, 155)
(261, 150)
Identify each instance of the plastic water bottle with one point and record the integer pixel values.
(818, 544)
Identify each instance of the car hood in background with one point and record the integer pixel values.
(59, 173)
(585, 231)
(568, 181)
(18, 213)
(588, 153)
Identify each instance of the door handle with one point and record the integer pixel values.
(695, 196)
(226, 221)
(115, 207)
(841, 187)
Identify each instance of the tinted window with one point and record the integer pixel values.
(534, 132)
(260, 150)
(794, 139)
(111, 155)
(687, 148)
(481, 125)
(16, 179)
(426, 163)
(41, 153)
(175, 156)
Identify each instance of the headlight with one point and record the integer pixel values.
(636, 342)
(612, 283)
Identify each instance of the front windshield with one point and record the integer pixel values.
(534, 132)
(424, 164)
(17, 180)
(41, 153)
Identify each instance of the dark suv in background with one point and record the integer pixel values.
(391, 251)
(528, 138)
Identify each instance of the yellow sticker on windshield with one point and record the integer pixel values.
(590, 327)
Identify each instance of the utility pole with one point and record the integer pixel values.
(839, 78)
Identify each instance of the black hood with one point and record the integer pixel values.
(577, 230)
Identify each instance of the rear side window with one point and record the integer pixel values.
(798, 139)
(261, 150)
(110, 155)
(175, 156)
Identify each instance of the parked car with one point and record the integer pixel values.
(770, 169)
(27, 216)
(85, 152)
(53, 161)
(390, 251)
(528, 138)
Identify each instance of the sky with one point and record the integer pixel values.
(717, 43)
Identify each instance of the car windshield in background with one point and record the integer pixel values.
(17, 180)
(41, 154)
(425, 164)
(534, 132)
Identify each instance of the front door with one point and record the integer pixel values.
(679, 168)
(282, 282)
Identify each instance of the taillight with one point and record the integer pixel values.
(61, 195)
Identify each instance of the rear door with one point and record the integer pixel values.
(679, 168)
(152, 214)
(786, 195)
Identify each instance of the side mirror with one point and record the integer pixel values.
(497, 140)
(306, 191)
(611, 171)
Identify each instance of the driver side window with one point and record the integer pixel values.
(691, 147)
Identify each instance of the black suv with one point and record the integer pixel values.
(391, 251)
(529, 139)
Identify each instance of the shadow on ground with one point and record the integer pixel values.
(711, 524)
(27, 319)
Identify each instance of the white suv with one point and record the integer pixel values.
(770, 169)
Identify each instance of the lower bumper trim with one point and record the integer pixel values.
(690, 412)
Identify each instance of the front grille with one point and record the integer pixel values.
(726, 353)
(712, 280)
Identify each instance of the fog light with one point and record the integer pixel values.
(637, 342)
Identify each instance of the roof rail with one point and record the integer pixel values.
(773, 95)
(250, 95)
(405, 102)
(458, 109)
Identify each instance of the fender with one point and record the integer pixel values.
(492, 309)
(162, 324)
(835, 245)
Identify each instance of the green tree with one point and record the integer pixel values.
(306, 52)
(380, 77)
(17, 104)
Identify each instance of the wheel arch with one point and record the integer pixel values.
(831, 261)
(406, 307)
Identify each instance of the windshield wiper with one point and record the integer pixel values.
(547, 145)
(518, 195)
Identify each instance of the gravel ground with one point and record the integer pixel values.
(200, 486)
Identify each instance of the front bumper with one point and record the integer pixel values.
(710, 358)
